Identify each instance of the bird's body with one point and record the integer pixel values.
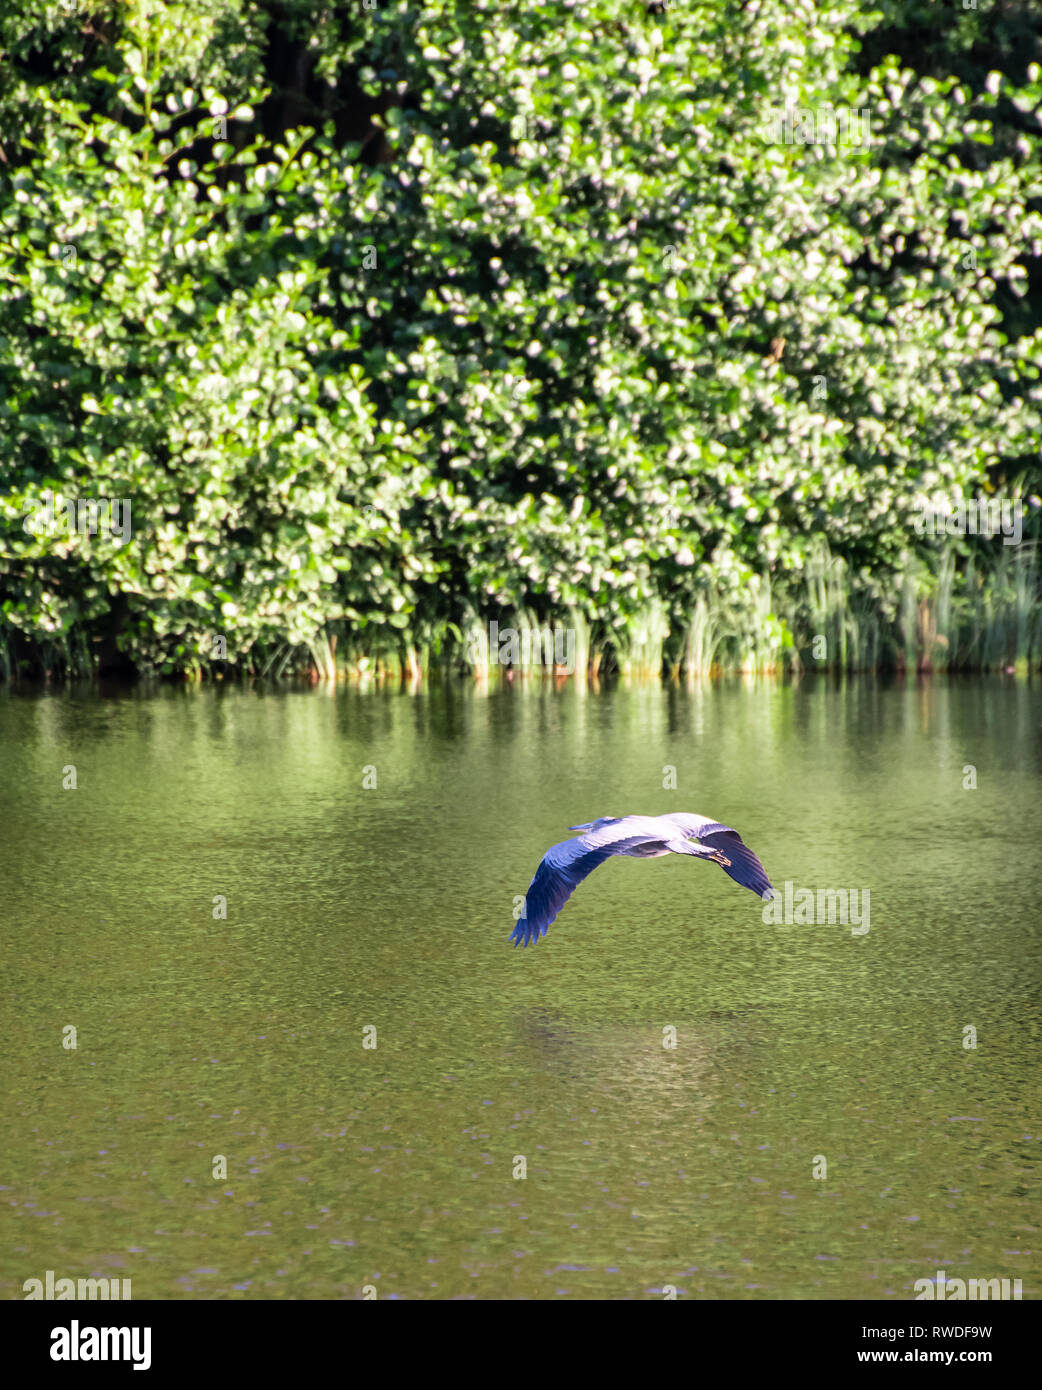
(565, 865)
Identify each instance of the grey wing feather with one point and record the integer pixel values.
(744, 867)
(563, 868)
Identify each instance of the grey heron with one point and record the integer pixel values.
(565, 865)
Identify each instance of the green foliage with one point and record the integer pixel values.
(390, 321)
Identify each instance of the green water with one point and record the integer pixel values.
(389, 907)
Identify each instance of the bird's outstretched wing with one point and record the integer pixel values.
(564, 866)
(744, 867)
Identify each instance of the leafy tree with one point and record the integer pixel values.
(389, 320)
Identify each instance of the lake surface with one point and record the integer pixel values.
(389, 907)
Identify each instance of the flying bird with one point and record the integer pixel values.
(564, 866)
